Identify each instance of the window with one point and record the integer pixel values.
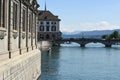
(45, 17)
(53, 28)
(47, 36)
(30, 22)
(41, 28)
(2, 13)
(24, 20)
(15, 12)
(38, 22)
(41, 36)
(47, 28)
(51, 22)
(47, 22)
(41, 23)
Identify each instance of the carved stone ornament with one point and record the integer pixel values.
(15, 35)
(23, 35)
(29, 36)
(2, 34)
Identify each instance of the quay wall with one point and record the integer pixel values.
(24, 67)
(44, 44)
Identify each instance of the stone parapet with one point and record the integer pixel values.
(23, 67)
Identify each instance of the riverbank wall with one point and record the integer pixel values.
(44, 44)
(24, 67)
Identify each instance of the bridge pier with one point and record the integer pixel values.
(82, 45)
(108, 45)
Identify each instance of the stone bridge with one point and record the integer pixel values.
(84, 41)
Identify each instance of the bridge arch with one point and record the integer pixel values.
(92, 44)
(85, 41)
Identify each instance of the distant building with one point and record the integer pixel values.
(48, 26)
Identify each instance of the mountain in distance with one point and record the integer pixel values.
(71, 33)
(87, 34)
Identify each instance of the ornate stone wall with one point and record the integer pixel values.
(24, 67)
(17, 27)
(19, 56)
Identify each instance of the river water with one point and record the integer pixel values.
(71, 62)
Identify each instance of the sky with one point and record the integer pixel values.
(85, 15)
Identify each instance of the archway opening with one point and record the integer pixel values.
(95, 45)
(47, 36)
(70, 44)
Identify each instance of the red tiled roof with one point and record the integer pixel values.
(47, 15)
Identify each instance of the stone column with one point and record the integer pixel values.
(32, 31)
(27, 29)
(20, 28)
(36, 31)
(9, 30)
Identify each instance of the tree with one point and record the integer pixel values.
(114, 35)
(105, 36)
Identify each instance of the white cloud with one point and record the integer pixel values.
(102, 25)
(67, 28)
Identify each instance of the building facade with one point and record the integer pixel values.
(18, 34)
(48, 26)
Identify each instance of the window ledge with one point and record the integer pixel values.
(2, 29)
(14, 31)
(23, 32)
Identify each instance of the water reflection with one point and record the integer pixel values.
(50, 64)
(76, 63)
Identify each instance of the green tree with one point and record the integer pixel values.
(114, 35)
(105, 36)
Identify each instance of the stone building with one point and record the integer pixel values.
(48, 26)
(18, 40)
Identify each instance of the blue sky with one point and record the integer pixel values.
(85, 15)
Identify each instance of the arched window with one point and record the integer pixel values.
(53, 28)
(47, 28)
(47, 36)
(41, 28)
(41, 36)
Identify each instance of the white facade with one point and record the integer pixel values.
(53, 26)
(48, 26)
